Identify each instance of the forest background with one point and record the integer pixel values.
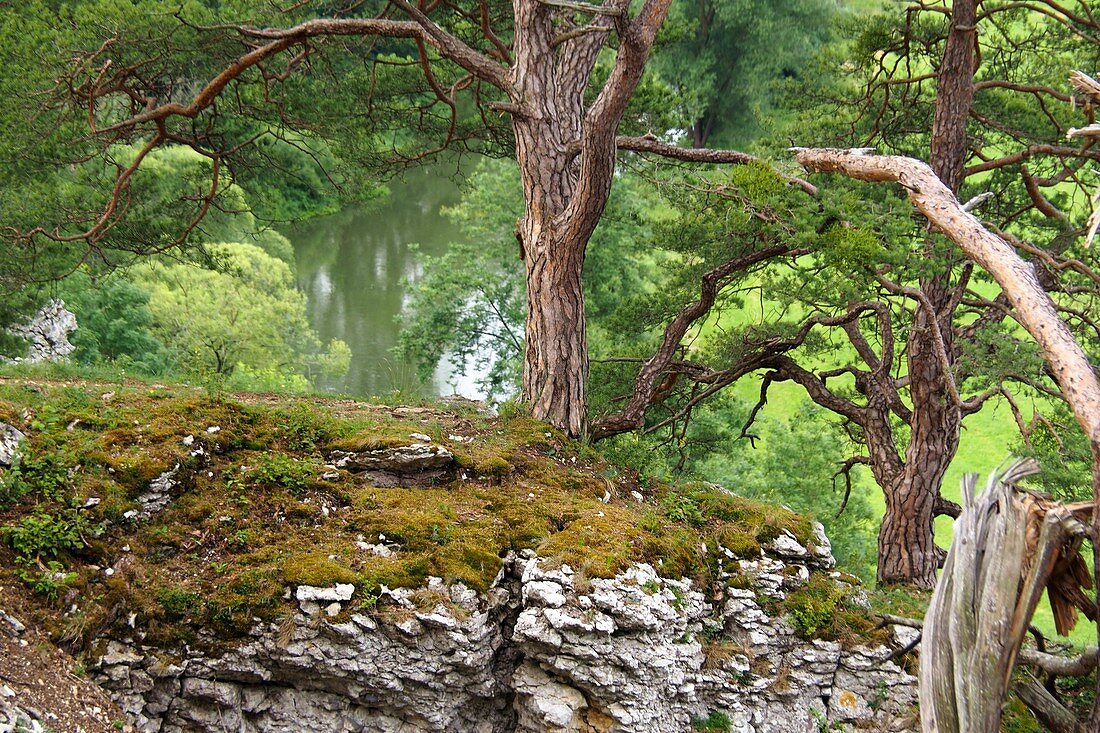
(219, 305)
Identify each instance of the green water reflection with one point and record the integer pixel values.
(355, 267)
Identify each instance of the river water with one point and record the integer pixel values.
(355, 268)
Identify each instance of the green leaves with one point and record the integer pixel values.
(45, 535)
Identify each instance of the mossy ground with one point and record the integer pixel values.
(253, 516)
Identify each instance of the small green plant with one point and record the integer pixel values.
(42, 534)
(44, 579)
(651, 586)
(368, 599)
(45, 476)
(279, 469)
(882, 693)
(716, 722)
(178, 603)
(683, 508)
(711, 632)
(442, 535)
(812, 608)
(239, 540)
(511, 408)
(823, 724)
(305, 428)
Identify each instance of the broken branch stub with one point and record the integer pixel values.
(1009, 546)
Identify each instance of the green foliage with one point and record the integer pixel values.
(42, 534)
(682, 508)
(716, 722)
(306, 428)
(794, 463)
(35, 473)
(244, 315)
(46, 579)
(179, 603)
(115, 323)
(1062, 449)
(280, 469)
(470, 302)
(722, 58)
(813, 607)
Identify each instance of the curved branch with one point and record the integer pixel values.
(282, 39)
(645, 384)
(1034, 308)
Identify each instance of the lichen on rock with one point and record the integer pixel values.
(541, 651)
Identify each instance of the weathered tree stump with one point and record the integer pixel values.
(1009, 546)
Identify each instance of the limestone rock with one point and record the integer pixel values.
(157, 496)
(539, 651)
(47, 333)
(10, 438)
(401, 466)
(312, 600)
(544, 704)
(17, 718)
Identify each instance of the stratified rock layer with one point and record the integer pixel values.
(543, 650)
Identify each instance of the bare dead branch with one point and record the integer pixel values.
(1078, 666)
(585, 7)
(1034, 309)
(652, 145)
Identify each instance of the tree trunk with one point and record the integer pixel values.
(555, 364)
(907, 551)
(566, 155)
(1094, 445)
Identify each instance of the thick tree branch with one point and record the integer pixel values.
(281, 39)
(646, 383)
(652, 145)
(1034, 309)
(601, 121)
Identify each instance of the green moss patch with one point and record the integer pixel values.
(254, 510)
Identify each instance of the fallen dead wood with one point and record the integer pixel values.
(1052, 714)
(1061, 666)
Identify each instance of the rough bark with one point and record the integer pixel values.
(906, 548)
(566, 154)
(1094, 444)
